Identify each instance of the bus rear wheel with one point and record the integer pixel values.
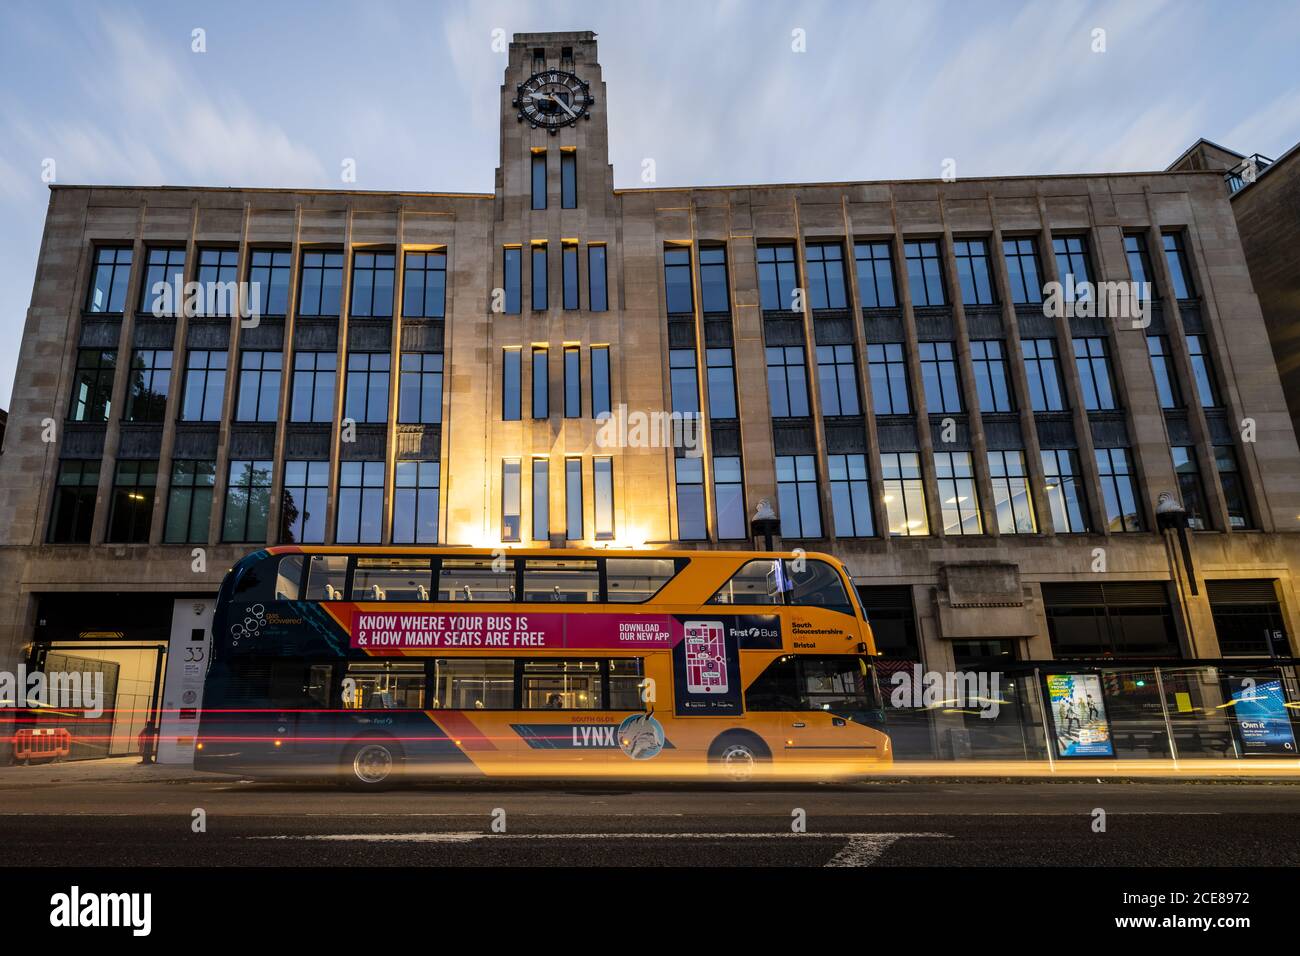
(372, 764)
(738, 755)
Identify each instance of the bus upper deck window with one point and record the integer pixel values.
(392, 579)
(817, 584)
(575, 581)
(325, 577)
(476, 579)
(633, 580)
(757, 582)
(288, 578)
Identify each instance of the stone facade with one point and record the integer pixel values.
(964, 587)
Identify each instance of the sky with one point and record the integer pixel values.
(714, 92)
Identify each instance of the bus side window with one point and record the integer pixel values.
(777, 688)
(634, 580)
(325, 577)
(818, 584)
(288, 578)
(757, 582)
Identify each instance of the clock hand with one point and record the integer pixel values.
(564, 106)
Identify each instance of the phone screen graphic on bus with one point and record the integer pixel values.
(706, 657)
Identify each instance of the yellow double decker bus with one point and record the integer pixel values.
(376, 664)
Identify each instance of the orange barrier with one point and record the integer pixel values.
(48, 743)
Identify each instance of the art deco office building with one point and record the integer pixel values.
(878, 359)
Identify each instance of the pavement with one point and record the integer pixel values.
(118, 813)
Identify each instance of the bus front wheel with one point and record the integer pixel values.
(737, 754)
(372, 764)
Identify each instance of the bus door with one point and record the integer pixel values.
(835, 704)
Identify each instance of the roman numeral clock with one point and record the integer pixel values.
(552, 100)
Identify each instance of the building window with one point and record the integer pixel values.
(715, 295)
(541, 383)
(569, 264)
(541, 500)
(510, 499)
(691, 522)
(218, 276)
(372, 285)
(837, 376)
(268, 270)
(787, 382)
(1043, 374)
(796, 487)
(600, 391)
(1064, 497)
(991, 382)
(248, 501)
(573, 522)
(512, 279)
(415, 502)
(321, 289)
(722, 383)
(1248, 618)
(597, 281)
(678, 297)
(603, 480)
(205, 386)
(361, 503)
(315, 375)
(875, 275)
(1166, 387)
(1072, 267)
(148, 386)
(511, 387)
(1234, 488)
(303, 502)
(108, 284)
(1176, 258)
(924, 273)
(1202, 371)
(92, 386)
(729, 498)
(259, 386)
(1011, 500)
(1190, 489)
(973, 276)
(1139, 262)
(1123, 619)
(189, 502)
(850, 495)
(572, 381)
(539, 179)
(959, 504)
(424, 285)
(568, 179)
(939, 376)
(903, 493)
(683, 382)
(74, 502)
(777, 278)
(1117, 489)
(365, 398)
(888, 371)
(540, 294)
(825, 262)
(419, 397)
(162, 292)
(1022, 270)
(1093, 362)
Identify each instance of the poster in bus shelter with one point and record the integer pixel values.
(1079, 716)
(1260, 717)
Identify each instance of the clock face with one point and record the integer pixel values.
(552, 100)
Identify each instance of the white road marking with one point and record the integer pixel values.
(861, 849)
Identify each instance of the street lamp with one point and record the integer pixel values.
(765, 523)
(1171, 516)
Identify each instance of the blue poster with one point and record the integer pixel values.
(1079, 715)
(1263, 724)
